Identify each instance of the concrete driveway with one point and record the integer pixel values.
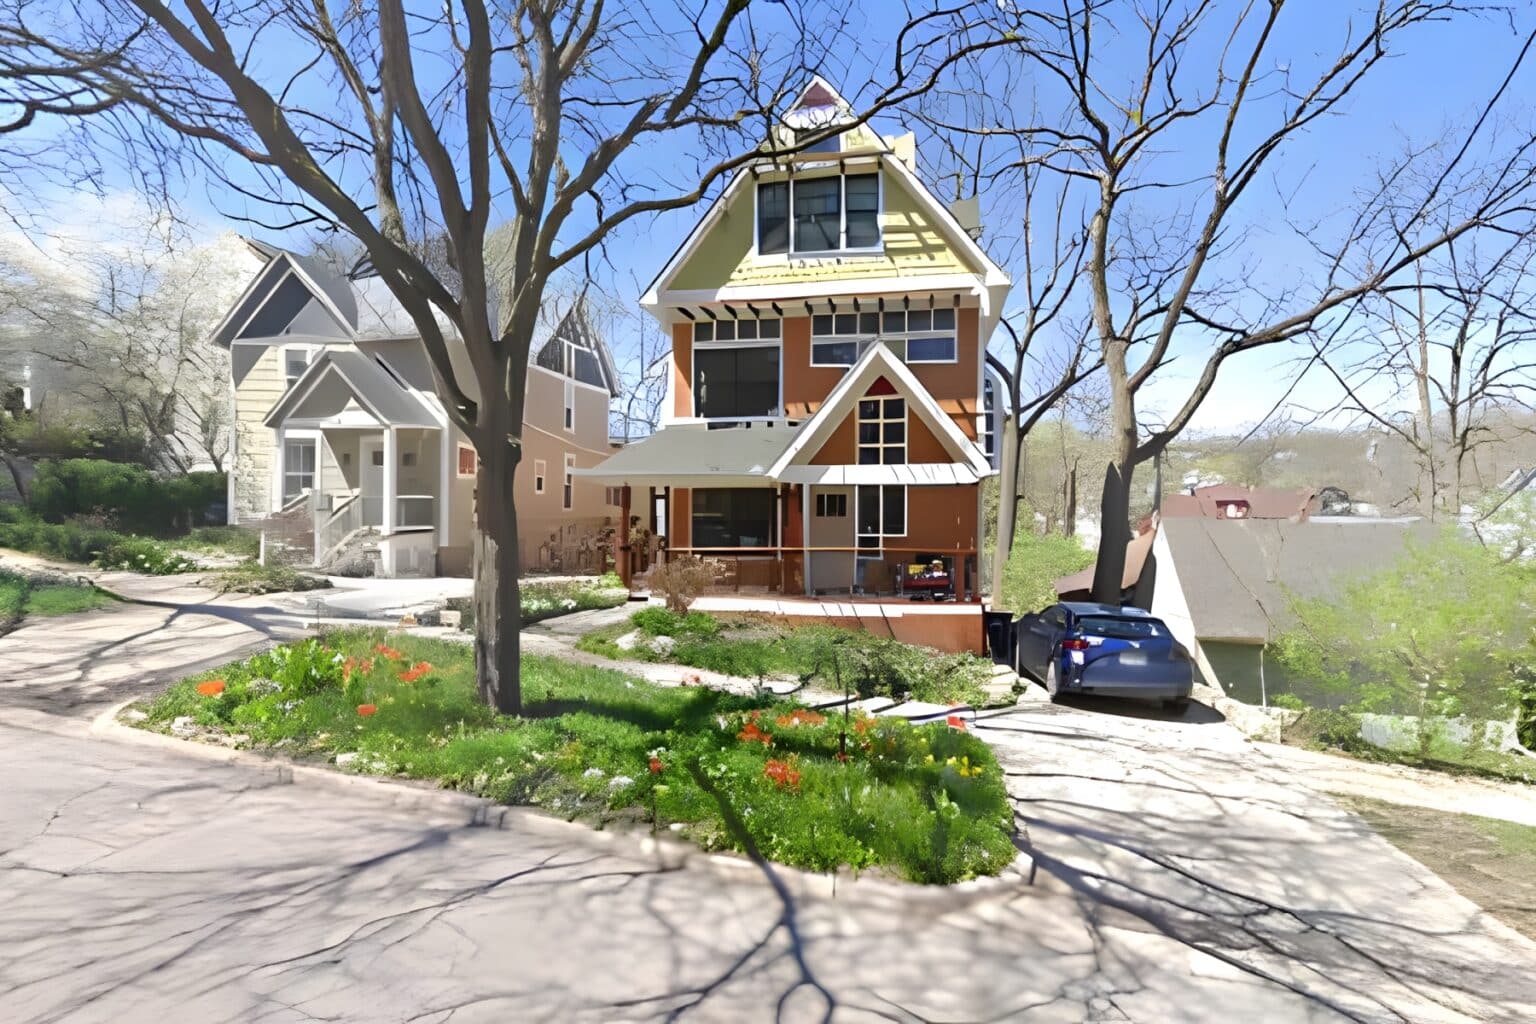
(1179, 875)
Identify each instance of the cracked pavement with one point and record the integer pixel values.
(1180, 874)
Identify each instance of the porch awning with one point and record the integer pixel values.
(922, 474)
(694, 455)
(337, 378)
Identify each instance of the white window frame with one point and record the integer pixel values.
(540, 475)
(906, 523)
(693, 391)
(881, 420)
(568, 493)
(570, 405)
(842, 229)
(824, 505)
(307, 351)
(313, 444)
(897, 340)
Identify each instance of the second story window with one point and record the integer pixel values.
(835, 213)
(295, 362)
(882, 431)
(736, 369)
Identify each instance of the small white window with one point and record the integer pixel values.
(295, 362)
(570, 405)
(882, 431)
(831, 506)
(568, 498)
(539, 470)
(298, 468)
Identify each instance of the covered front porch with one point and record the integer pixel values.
(369, 460)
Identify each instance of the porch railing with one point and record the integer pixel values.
(872, 572)
(344, 520)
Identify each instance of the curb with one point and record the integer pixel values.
(479, 812)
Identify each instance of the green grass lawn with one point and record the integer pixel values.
(870, 665)
(926, 803)
(22, 596)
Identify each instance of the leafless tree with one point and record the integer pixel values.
(393, 126)
(643, 372)
(1458, 343)
(1167, 270)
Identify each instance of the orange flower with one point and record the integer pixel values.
(367, 709)
(389, 652)
(861, 725)
(752, 734)
(842, 756)
(801, 716)
(353, 665)
(956, 722)
(656, 766)
(415, 672)
(782, 773)
(212, 688)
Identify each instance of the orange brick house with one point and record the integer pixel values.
(820, 439)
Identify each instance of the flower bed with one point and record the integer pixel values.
(926, 803)
(545, 599)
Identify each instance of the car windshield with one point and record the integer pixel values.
(1121, 629)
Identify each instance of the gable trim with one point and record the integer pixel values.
(877, 362)
(268, 280)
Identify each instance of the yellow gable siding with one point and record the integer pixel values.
(914, 247)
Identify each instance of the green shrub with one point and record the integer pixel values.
(665, 622)
(1035, 562)
(77, 542)
(232, 540)
(145, 555)
(135, 499)
(253, 578)
(1288, 701)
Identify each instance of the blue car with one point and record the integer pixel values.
(1103, 651)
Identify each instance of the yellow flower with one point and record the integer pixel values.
(928, 759)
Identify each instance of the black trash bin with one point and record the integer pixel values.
(1000, 636)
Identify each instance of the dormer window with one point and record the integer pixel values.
(825, 214)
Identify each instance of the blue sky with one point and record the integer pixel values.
(1439, 82)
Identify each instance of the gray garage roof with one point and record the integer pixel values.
(1238, 575)
(694, 454)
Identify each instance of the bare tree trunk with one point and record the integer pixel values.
(1115, 506)
(1069, 522)
(498, 608)
(16, 475)
(1007, 506)
(1426, 409)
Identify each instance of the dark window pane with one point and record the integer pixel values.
(821, 325)
(725, 330)
(733, 517)
(863, 191)
(869, 456)
(704, 330)
(869, 509)
(893, 456)
(869, 323)
(847, 323)
(746, 330)
(736, 382)
(919, 320)
(817, 215)
(895, 408)
(895, 433)
(931, 350)
(944, 319)
(869, 409)
(768, 328)
(894, 519)
(834, 353)
(869, 433)
(894, 323)
(773, 217)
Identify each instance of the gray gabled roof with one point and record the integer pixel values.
(725, 456)
(576, 327)
(339, 376)
(1238, 575)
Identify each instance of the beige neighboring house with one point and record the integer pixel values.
(343, 451)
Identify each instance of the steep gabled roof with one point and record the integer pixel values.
(575, 328)
(878, 361)
(363, 378)
(331, 291)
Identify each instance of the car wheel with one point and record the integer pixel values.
(1178, 705)
(1052, 687)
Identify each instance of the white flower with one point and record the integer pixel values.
(620, 782)
(591, 773)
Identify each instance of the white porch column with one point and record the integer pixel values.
(279, 466)
(391, 475)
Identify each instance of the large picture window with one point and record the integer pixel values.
(882, 431)
(831, 213)
(738, 517)
(913, 336)
(736, 382)
(298, 468)
(882, 512)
